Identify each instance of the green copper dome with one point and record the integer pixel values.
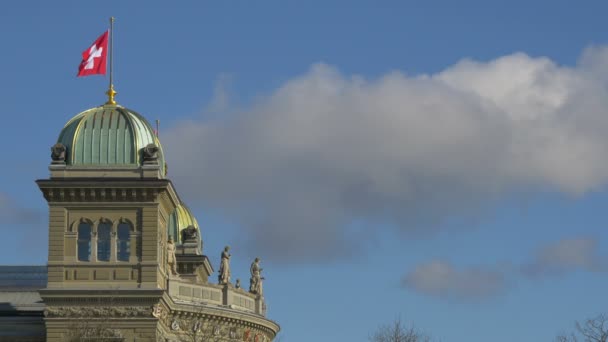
(108, 136)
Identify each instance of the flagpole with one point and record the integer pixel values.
(111, 92)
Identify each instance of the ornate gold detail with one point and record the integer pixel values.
(111, 94)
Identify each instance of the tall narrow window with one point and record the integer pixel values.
(124, 242)
(84, 242)
(103, 241)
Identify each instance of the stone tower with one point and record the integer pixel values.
(126, 258)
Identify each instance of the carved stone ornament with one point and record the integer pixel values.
(175, 325)
(157, 311)
(58, 153)
(232, 333)
(98, 311)
(216, 330)
(189, 234)
(197, 326)
(150, 154)
(101, 334)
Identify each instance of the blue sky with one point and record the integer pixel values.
(439, 161)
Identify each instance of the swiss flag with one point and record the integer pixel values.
(94, 58)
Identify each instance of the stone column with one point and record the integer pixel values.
(94, 245)
(113, 241)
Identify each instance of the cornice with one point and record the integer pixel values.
(102, 192)
(97, 295)
(109, 190)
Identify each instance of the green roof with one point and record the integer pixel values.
(108, 135)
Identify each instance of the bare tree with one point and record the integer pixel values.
(398, 332)
(592, 330)
(88, 331)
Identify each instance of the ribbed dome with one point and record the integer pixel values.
(108, 136)
(180, 219)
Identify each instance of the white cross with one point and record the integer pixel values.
(93, 52)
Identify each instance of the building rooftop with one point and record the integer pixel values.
(19, 287)
(20, 277)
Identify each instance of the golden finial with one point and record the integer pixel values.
(111, 93)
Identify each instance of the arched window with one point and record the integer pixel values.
(84, 242)
(103, 241)
(123, 243)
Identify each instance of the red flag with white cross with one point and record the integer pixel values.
(94, 58)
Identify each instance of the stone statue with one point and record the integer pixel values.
(224, 276)
(255, 283)
(171, 260)
(150, 154)
(58, 153)
(189, 234)
(238, 284)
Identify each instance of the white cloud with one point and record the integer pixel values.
(324, 150)
(13, 213)
(567, 255)
(440, 279)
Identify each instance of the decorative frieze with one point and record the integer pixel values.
(192, 327)
(214, 325)
(99, 311)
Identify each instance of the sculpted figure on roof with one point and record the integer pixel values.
(58, 153)
(224, 276)
(255, 283)
(171, 260)
(150, 153)
(189, 234)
